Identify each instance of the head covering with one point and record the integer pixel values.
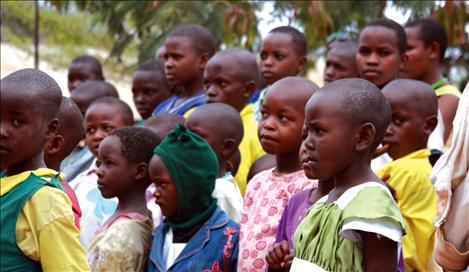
(194, 168)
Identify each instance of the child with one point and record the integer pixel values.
(81, 158)
(83, 68)
(414, 110)
(149, 87)
(122, 243)
(196, 235)
(268, 192)
(426, 48)
(230, 77)
(357, 226)
(340, 61)
(90, 91)
(160, 125)
(70, 132)
(381, 51)
(283, 54)
(163, 123)
(280, 256)
(209, 122)
(187, 50)
(35, 235)
(102, 118)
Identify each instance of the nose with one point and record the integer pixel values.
(156, 193)
(372, 59)
(99, 171)
(168, 64)
(211, 91)
(268, 124)
(268, 61)
(139, 98)
(75, 83)
(99, 135)
(389, 132)
(308, 143)
(329, 72)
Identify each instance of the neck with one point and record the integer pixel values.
(133, 200)
(193, 88)
(221, 169)
(325, 186)
(28, 165)
(433, 76)
(356, 173)
(184, 235)
(287, 163)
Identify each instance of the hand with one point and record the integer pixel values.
(279, 257)
(380, 150)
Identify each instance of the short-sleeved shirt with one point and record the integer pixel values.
(266, 196)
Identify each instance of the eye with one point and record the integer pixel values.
(364, 51)
(304, 133)
(279, 56)
(264, 114)
(283, 118)
(17, 122)
(263, 55)
(98, 163)
(108, 128)
(398, 121)
(90, 130)
(384, 53)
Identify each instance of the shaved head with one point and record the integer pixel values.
(240, 61)
(418, 93)
(296, 90)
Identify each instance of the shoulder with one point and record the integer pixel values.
(447, 90)
(417, 170)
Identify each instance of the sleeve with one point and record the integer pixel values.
(234, 256)
(372, 210)
(51, 234)
(282, 225)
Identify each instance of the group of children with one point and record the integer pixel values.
(236, 164)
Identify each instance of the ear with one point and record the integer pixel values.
(301, 64)
(404, 60)
(54, 145)
(249, 89)
(365, 137)
(430, 124)
(229, 148)
(434, 51)
(141, 171)
(202, 62)
(52, 128)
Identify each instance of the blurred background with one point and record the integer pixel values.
(123, 34)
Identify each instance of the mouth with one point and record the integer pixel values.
(4, 149)
(268, 138)
(370, 73)
(170, 76)
(267, 74)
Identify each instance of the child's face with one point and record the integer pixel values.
(182, 63)
(224, 84)
(339, 64)
(281, 123)
(80, 72)
(378, 57)
(303, 155)
(165, 190)
(418, 55)
(406, 132)
(278, 58)
(23, 132)
(115, 172)
(328, 143)
(100, 121)
(148, 92)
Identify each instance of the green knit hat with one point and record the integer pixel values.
(194, 168)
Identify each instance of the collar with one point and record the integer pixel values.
(8, 183)
(419, 154)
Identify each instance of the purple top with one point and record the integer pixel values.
(294, 212)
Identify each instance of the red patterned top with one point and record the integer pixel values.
(266, 196)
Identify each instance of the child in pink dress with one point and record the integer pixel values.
(280, 128)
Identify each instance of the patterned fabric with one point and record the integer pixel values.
(328, 235)
(122, 244)
(96, 209)
(266, 196)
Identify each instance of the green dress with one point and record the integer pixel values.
(328, 235)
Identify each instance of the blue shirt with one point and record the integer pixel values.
(167, 106)
(214, 245)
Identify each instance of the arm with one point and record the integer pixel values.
(380, 253)
(448, 105)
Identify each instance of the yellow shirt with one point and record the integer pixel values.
(250, 147)
(417, 200)
(447, 89)
(45, 230)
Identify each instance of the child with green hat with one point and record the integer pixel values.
(196, 234)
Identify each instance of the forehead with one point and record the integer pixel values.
(329, 103)
(20, 101)
(277, 39)
(341, 54)
(111, 144)
(179, 43)
(378, 35)
(224, 66)
(148, 77)
(412, 33)
(157, 166)
(104, 112)
(281, 98)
